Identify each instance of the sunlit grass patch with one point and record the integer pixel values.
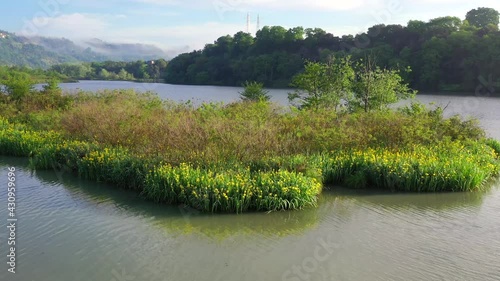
(116, 166)
(451, 166)
(231, 190)
(17, 140)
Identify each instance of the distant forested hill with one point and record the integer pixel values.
(44, 52)
(445, 54)
(15, 50)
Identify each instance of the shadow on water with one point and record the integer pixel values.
(334, 203)
(173, 219)
(407, 201)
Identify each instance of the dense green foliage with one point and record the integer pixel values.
(323, 84)
(44, 52)
(111, 70)
(450, 166)
(254, 91)
(361, 85)
(229, 191)
(20, 51)
(483, 17)
(249, 155)
(445, 54)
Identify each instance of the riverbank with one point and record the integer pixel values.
(119, 80)
(248, 156)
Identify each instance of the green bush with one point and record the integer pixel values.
(254, 91)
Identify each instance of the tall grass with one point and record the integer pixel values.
(247, 156)
(116, 166)
(453, 166)
(18, 140)
(205, 189)
(246, 131)
(230, 191)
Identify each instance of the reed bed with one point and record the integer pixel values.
(250, 156)
(117, 166)
(17, 140)
(210, 190)
(230, 191)
(452, 166)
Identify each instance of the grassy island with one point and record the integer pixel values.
(247, 155)
(251, 155)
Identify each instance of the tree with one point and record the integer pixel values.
(323, 85)
(376, 88)
(254, 91)
(443, 26)
(76, 71)
(445, 54)
(417, 26)
(242, 42)
(431, 60)
(104, 74)
(162, 64)
(124, 75)
(269, 39)
(17, 85)
(52, 87)
(295, 34)
(482, 17)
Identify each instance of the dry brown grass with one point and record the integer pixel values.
(239, 132)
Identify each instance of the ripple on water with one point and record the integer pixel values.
(76, 230)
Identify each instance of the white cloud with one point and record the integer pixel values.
(192, 36)
(76, 24)
(86, 26)
(308, 5)
(268, 4)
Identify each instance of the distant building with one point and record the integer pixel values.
(3, 35)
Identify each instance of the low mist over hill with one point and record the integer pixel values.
(126, 51)
(44, 52)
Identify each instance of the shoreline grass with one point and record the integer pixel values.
(275, 184)
(246, 156)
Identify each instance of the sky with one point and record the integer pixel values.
(186, 25)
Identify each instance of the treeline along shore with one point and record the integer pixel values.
(445, 54)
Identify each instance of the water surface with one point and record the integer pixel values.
(71, 229)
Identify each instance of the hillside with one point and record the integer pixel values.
(15, 50)
(126, 51)
(44, 52)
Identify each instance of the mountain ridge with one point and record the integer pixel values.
(44, 52)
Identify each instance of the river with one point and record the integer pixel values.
(70, 229)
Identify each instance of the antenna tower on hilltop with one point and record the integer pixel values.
(248, 22)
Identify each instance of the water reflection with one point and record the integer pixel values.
(182, 219)
(78, 230)
(409, 201)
